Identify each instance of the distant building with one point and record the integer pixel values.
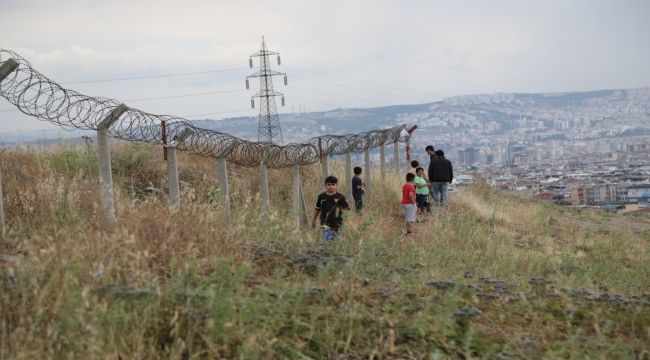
(594, 195)
(579, 196)
(621, 194)
(637, 194)
(601, 194)
(468, 156)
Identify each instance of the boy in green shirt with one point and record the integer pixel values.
(421, 191)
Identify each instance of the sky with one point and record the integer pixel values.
(190, 58)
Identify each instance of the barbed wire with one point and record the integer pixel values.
(36, 95)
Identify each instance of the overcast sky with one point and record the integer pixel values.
(190, 58)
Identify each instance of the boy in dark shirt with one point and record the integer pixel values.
(358, 188)
(330, 205)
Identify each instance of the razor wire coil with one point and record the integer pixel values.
(36, 95)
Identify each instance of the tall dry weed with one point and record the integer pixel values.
(208, 282)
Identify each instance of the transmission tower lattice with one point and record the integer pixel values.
(269, 129)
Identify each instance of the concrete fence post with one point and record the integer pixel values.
(3, 230)
(382, 160)
(264, 188)
(173, 183)
(367, 171)
(7, 68)
(325, 166)
(297, 209)
(396, 156)
(173, 186)
(348, 174)
(105, 171)
(224, 191)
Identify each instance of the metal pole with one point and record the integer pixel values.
(408, 154)
(223, 184)
(264, 188)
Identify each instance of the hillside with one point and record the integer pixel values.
(489, 276)
(455, 123)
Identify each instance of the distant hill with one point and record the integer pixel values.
(456, 121)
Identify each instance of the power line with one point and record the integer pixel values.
(334, 94)
(367, 82)
(358, 88)
(151, 76)
(316, 102)
(185, 95)
(215, 113)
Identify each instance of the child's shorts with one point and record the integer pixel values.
(410, 211)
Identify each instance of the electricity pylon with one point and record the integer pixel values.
(269, 129)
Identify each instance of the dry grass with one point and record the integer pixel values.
(490, 275)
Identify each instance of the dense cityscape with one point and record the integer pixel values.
(575, 148)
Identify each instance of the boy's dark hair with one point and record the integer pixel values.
(429, 147)
(331, 180)
(415, 164)
(419, 168)
(410, 177)
(357, 170)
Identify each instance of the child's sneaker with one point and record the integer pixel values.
(328, 234)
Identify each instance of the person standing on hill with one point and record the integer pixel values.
(358, 189)
(409, 204)
(330, 205)
(441, 174)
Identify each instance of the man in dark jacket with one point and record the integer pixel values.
(431, 151)
(441, 174)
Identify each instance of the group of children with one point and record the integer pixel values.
(415, 196)
(330, 204)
